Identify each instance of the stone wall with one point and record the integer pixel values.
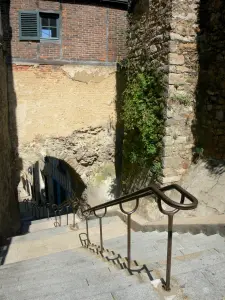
(148, 42)
(89, 151)
(164, 33)
(183, 74)
(9, 212)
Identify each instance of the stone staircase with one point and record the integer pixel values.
(51, 264)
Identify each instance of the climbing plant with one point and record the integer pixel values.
(143, 116)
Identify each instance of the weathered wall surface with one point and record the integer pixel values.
(89, 31)
(183, 75)
(164, 33)
(55, 101)
(149, 34)
(69, 112)
(9, 212)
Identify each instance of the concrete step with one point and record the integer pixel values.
(49, 232)
(22, 250)
(50, 264)
(72, 288)
(195, 261)
(202, 284)
(138, 292)
(38, 225)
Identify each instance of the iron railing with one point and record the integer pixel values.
(159, 193)
(46, 210)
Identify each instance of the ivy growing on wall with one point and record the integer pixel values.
(143, 105)
(143, 116)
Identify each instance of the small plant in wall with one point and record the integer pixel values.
(197, 154)
(182, 98)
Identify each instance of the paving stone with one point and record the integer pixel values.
(197, 261)
(137, 293)
(194, 285)
(216, 276)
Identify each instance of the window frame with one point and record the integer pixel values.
(58, 25)
(39, 25)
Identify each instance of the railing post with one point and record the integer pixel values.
(169, 252)
(47, 207)
(67, 215)
(100, 227)
(74, 219)
(101, 237)
(60, 221)
(87, 230)
(56, 219)
(128, 240)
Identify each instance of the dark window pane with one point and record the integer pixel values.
(54, 32)
(53, 22)
(44, 21)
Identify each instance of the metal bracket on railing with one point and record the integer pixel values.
(100, 227)
(55, 209)
(129, 213)
(84, 242)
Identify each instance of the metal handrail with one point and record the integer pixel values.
(151, 190)
(160, 196)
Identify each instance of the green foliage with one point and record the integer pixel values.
(143, 116)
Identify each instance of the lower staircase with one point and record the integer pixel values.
(51, 264)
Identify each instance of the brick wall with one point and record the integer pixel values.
(89, 32)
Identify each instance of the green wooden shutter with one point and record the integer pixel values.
(29, 25)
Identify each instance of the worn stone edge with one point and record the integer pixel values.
(208, 225)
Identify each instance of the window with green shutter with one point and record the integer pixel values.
(36, 25)
(29, 25)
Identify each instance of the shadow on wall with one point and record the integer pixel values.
(11, 164)
(52, 181)
(209, 127)
(136, 179)
(120, 87)
(60, 180)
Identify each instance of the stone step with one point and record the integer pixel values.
(136, 238)
(195, 261)
(137, 292)
(193, 243)
(90, 273)
(39, 225)
(34, 248)
(49, 232)
(202, 284)
(43, 234)
(42, 270)
(72, 289)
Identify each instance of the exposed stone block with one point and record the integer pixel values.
(176, 79)
(171, 179)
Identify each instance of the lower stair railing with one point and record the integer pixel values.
(161, 199)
